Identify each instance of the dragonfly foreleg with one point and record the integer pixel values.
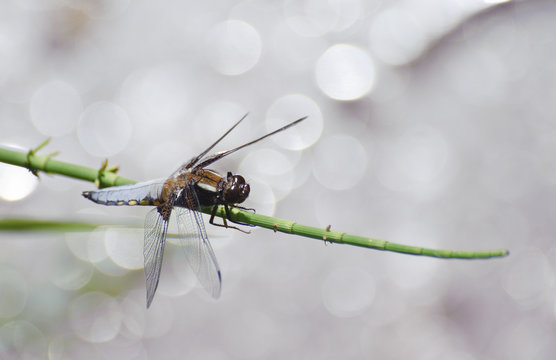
(228, 217)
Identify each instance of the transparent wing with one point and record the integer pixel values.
(196, 245)
(155, 237)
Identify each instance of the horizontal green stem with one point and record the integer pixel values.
(47, 164)
(107, 178)
(13, 224)
(290, 227)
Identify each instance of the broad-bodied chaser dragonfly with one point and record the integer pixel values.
(182, 195)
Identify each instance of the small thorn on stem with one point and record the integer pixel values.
(33, 152)
(324, 238)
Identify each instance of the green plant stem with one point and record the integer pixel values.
(107, 178)
(290, 227)
(44, 225)
(47, 164)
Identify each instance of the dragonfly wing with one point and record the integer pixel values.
(155, 237)
(196, 245)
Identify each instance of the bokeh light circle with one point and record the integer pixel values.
(414, 160)
(125, 247)
(16, 183)
(95, 317)
(161, 92)
(314, 18)
(233, 47)
(397, 37)
(139, 323)
(104, 129)
(348, 291)
(271, 167)
(330, 165)
(70, 273)
(88, 247)
(25, 338)
(55, 108)
(217, 117)
(14, 293)
(529, 278)
(289, 108)
(345, 72)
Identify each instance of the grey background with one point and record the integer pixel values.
(453, 147)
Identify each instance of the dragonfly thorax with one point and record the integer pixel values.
(235, 190)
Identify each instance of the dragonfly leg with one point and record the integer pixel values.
(229, 216)
(244, 208)
(225, 223)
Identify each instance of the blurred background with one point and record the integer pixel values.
(431, 123)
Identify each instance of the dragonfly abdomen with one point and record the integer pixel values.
(144, 194)
(99, 200)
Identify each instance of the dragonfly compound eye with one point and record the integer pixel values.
(237, 190)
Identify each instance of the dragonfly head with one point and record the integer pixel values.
(236, 190)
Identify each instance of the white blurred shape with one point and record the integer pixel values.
(506, 175)
(95, 317)
(339, 162)
(10, 54)
(125, 247)
(412, 161)
(160, 93)
(165, 157)
(289, 108)
(412, 272)
(269, 166)
(36, 5)
(142, 323)
(70, 348)
(123, 348)
(104, 129)
(313, 18)
(348, 291)
(177, 278)
(397, 36)
(261, 198)
(481, 75)
(296, 53)
(251, 343)
(95, 245)
(345, 72)
(70, 273)
(99, 9)
(14, 290)
(88, 246)
(216, 118)
(27, 339)
(391, 86)
(528, 279)
(233, 47)
(55, 108)
(16, 182)
(109, 267)
(269, 162)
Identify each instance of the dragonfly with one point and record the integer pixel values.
(181, 197)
